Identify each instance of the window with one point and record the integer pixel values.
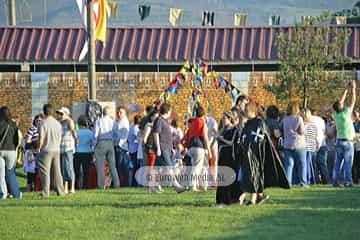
(208, 82)
(162, 81)
(116, 82)
(85, 81)
(147, 80)
(55, 81)
(7, 82)
(70, 81)
(23, 82)
(101, 82)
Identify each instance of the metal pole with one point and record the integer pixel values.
(91, 52)
(12, 12)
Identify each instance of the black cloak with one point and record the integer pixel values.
(261, 166)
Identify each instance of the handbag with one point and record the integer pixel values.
(4, 136)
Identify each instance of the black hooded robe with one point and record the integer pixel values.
(260, 164)
(228, 194)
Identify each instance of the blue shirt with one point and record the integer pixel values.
(121, 133)
(133, 138)
(85, 137)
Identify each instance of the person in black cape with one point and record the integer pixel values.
(260, 164)
(230, 194)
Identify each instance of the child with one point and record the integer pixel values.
(30, 143)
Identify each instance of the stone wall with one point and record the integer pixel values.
(64, 89)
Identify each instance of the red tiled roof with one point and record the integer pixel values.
(131, 45)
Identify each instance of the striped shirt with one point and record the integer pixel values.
(33, 132)
(311, 137)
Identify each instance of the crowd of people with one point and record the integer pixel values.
(305, 147)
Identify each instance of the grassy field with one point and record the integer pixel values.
(315, 213)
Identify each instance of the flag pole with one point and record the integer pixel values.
(91, 51)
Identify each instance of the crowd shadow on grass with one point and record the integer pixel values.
(320, 214)
(297, 224)
(124, 205)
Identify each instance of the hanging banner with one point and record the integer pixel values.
(175, 16)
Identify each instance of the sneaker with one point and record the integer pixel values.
(180, 189)
(242, 199)
(263, 199)
(250, 203)
(159, 189)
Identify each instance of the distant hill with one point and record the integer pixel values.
(64, 12)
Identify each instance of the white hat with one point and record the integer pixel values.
(64, 110)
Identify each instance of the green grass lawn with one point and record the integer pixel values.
(315, 213)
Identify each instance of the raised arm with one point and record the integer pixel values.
(353, 95)
(342, 100)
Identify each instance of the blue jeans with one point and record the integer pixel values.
(164, 159)
(320, 165)
(122, 165)
(310, 172)
(7, 174)
(344, 152)
(296, 157)
(67, 166)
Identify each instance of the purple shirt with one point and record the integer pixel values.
(162, 127)
(293, 132)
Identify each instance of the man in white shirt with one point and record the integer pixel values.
(320, 163)
(121, 133)
(104, 149)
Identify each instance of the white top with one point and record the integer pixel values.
(321, 130)
(212, 128)
(103, 129)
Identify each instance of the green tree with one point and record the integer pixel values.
(314, 46)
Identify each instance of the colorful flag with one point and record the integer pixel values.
(175, 16)
(101, 12)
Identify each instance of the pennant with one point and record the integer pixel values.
(172, 90)
(187, 66)
(240, 19)
(234, 93)
(217, 84)
(113, 6)
(175, 16)
(101, 13)
(144, 11)
(274, 20)
(340, 20)
(182, 70)
(208, 18)
(198, 80)
(180, 76)
(204, 69)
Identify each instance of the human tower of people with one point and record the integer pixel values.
(303, 147)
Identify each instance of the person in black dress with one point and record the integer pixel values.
(260, 164)
(230, 194)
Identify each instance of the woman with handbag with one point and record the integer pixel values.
(9, 140)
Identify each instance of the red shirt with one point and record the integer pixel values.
(196, 129)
